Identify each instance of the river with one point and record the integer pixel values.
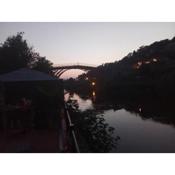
(137, 134)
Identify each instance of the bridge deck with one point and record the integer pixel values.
(74, 66)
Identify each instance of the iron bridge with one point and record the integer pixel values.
(58, 70)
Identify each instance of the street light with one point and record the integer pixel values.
(93, 83)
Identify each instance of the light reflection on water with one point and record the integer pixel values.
(84, 104)
(137, 134)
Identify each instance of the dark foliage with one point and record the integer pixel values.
(81, 86)
(15, 53)
(94, 134)
(148, 71)
(43, 65)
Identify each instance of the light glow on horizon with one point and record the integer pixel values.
(89, 42)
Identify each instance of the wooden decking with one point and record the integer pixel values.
(18, 136)
(29, 141)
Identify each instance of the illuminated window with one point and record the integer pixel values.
(147, 62)
(139, 63)
(154, 60)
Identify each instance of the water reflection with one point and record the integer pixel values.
(83, 104)
(143, 126)
(93, 96)
(140, 135)
(94, 134)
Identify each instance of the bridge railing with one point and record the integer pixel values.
(74, 64)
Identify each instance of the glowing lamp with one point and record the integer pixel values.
(93, 83)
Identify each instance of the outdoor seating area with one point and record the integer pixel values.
(29, 111)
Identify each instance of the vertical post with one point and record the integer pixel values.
(2, 106)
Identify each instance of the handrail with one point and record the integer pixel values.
(71, 125)
(75, 64)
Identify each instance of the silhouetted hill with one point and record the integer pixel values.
(148, 71)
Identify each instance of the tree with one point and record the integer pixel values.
(43, 65)
(15, 53)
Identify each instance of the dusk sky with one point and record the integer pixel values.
(92, 43)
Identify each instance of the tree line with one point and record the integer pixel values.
(146, 72)
(16, 53)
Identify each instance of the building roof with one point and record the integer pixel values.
(25, 74)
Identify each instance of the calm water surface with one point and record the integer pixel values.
(136, 134)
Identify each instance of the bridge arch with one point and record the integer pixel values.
(58, 70)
